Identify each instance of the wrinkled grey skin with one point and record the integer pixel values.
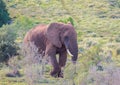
(56, 38)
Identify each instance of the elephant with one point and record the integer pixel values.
(55, 38)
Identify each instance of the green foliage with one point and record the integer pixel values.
(4, 15)
(92, 55)
(7, 44)
(10, 34)
(25, 22)
(67, 20)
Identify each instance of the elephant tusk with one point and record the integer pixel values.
(69, 52)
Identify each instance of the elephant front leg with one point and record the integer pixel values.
(51, 52)
(62, 62)
(56, 68)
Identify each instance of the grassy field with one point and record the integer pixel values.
(97, 24)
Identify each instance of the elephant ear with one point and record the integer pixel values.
(53, 34)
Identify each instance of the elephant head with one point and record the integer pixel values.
(60, 34)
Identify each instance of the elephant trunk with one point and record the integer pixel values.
(72, 49)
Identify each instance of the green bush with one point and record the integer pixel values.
(7, 44)
(11, 36)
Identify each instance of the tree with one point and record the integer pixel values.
(4, 15)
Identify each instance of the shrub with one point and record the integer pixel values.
(34, 64)
(11, 36)
(7, 44)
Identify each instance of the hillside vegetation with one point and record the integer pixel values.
(97, 23)
(99, 16)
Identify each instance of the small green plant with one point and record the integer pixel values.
(117, 39)
(67, 20)
(118, 51)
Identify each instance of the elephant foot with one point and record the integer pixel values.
(60, 74)
(57, 74)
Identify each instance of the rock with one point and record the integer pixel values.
(13, 74)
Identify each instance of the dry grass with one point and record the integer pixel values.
(34, 67)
